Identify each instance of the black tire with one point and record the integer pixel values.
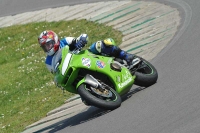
(146, 76)
(97, 101)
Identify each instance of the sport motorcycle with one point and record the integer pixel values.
(102, 80)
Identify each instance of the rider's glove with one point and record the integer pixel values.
(80, 44)
(81, 41)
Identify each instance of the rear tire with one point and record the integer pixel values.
(97, 100)
(146, 76)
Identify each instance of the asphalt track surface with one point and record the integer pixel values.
(170, 106)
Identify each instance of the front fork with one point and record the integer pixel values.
(89, 79)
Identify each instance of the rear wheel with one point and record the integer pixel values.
(107, 98)
(146, 75)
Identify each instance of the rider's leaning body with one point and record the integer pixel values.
(51, 44)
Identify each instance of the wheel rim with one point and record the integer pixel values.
(145, 69)
(107, 94)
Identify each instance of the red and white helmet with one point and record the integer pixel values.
(49, 42)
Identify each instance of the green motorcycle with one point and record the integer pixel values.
(101, 80)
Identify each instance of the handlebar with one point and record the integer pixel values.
(76, 50)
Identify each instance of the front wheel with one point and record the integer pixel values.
(146, 74)
(108, 99)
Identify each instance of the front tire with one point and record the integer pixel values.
(91, 98)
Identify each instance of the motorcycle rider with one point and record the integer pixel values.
(50, 43)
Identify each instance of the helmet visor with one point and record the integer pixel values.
(48, 46)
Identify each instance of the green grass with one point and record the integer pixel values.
(27, 91)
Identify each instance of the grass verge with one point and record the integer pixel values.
(27, 91)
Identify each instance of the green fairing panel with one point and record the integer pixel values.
(67, 74)
(101, 64)
(59, 77)
(125, 81)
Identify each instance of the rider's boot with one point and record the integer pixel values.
(127, 57)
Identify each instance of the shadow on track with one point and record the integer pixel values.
(85, 116)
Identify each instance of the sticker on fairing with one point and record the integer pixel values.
(121, 85)
(100, 64)
(86, 62)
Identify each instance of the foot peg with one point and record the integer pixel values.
(135, 61)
